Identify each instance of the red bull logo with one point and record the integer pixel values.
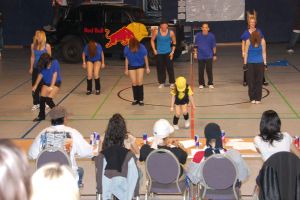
(124, 34)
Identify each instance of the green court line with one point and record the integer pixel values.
(283, 97)
(105, 99)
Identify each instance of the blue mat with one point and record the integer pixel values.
(278, 63)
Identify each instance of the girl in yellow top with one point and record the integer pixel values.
(182, 94)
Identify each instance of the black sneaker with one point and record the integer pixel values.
(141, 103)
(38, 119)
(88, 92)
(135, 103)
(97, 92)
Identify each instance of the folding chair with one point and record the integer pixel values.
(49, 155)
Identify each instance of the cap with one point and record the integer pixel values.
(57, 112)
(162, 128)
(180, 83)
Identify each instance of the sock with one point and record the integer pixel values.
(175, 120)
(134, 92)
(140, 92)
(50, 102)
(89, 85)
(42, 107)
(186, 116)
(97, 84)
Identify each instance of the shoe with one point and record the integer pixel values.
(257, 102)
(35, 107)
(161, 86)
(172, 86)
(187, 123)
(211, 86)
(80, 185)
(265, 83)
(201, 86)
(135, 103)
(97, 92)
(245, 84)
(176, 127)
(141, 103)
(47, 107)
(38, 119)
(88, 92)
(253, 102)
(290, 51)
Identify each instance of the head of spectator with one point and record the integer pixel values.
(213, 137)
(205, 28)
(161, 132)
(116, 132)
(134, 45)
(14, 173)
(39, 40)
(255, 38)
(58, 115)
(270, 127)
(251, 19)
(163, 25)
(54, 181)
(92, 48)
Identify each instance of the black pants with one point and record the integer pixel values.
(36, 94)
(59, 12)
(165, 63)
(255, 75)
(202, 64)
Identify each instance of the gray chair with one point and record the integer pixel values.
(163, 171)
(220, 178)
(52, 156)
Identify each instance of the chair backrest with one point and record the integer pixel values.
(162, 166)
(52, 156)
(219, 172)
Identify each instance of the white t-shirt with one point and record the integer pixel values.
(267, 150)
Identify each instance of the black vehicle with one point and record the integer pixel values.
(111, 25)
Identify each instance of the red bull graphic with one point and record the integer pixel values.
(124, 34)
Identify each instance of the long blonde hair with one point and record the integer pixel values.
(251, 15)
(39, 45)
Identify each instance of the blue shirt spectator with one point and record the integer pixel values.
(136, 59)
(47, 73)
(97, 57)
(205, 45)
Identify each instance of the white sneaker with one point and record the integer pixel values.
(187, 123)
(290, 51)
(47, 107)
(176, 127)
(211, 86)
(253, 102)
(161, 86)
(35, 107)
(201, 86)
(257, 102)
(172, 86)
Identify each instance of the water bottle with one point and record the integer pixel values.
(97, 138)
(92, 139)
(223, 136)
(197, 143)
(145, 137)
(296, 141)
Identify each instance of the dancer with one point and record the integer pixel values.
(51, 79)
(59, 10)
(165, 48)
(206, 52)
(252, 21)
(38, 47)
(92, 61)
(135, 61)
(181, 95)
(255, 61)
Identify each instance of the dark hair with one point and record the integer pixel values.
(213, 131)
(92, 48)
(44, 61)
(116, 132)
(134, 45)
(58, 121)
(255, 38)
(163, 21)
(270, 125)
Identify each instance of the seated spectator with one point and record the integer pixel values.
(161, 132)
(54, 181)
(117, 172)
(14, 173)
(59, 136)
(214, 145)
(271, 140)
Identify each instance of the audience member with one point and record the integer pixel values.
(14, 173)
(54, 181)
(271, 140)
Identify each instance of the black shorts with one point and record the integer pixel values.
(135, 67)
(93, 61)
(57, 84)
(182, 101)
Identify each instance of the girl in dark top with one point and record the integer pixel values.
(51, 80)
(92, 61)
(255, 61)
(135, 61)
(38, 47)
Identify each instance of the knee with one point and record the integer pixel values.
(89, 77)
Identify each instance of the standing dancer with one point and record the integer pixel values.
(255, 61)
(135, 61)
(182, 94)
(38, 47)
(165, 44)
(51, 79)
(92, 61)
(252, 21)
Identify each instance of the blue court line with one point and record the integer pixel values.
(10, 91)
(37, 123)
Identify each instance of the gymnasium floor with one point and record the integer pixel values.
(227, 104)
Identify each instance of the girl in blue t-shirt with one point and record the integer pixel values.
(51, 79)
(135, 61)
(38, 47)
(92, 61)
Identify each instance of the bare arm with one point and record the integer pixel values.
(192, 101)
(38, 80)
(152, 41)
(83, 60)
(243, 48)
(32, 59)
(53, 81)
(264, 48)
(172, 102)
(103, 61)
(173, 38)
(147, 64)
(246, 51)
(126, 66)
